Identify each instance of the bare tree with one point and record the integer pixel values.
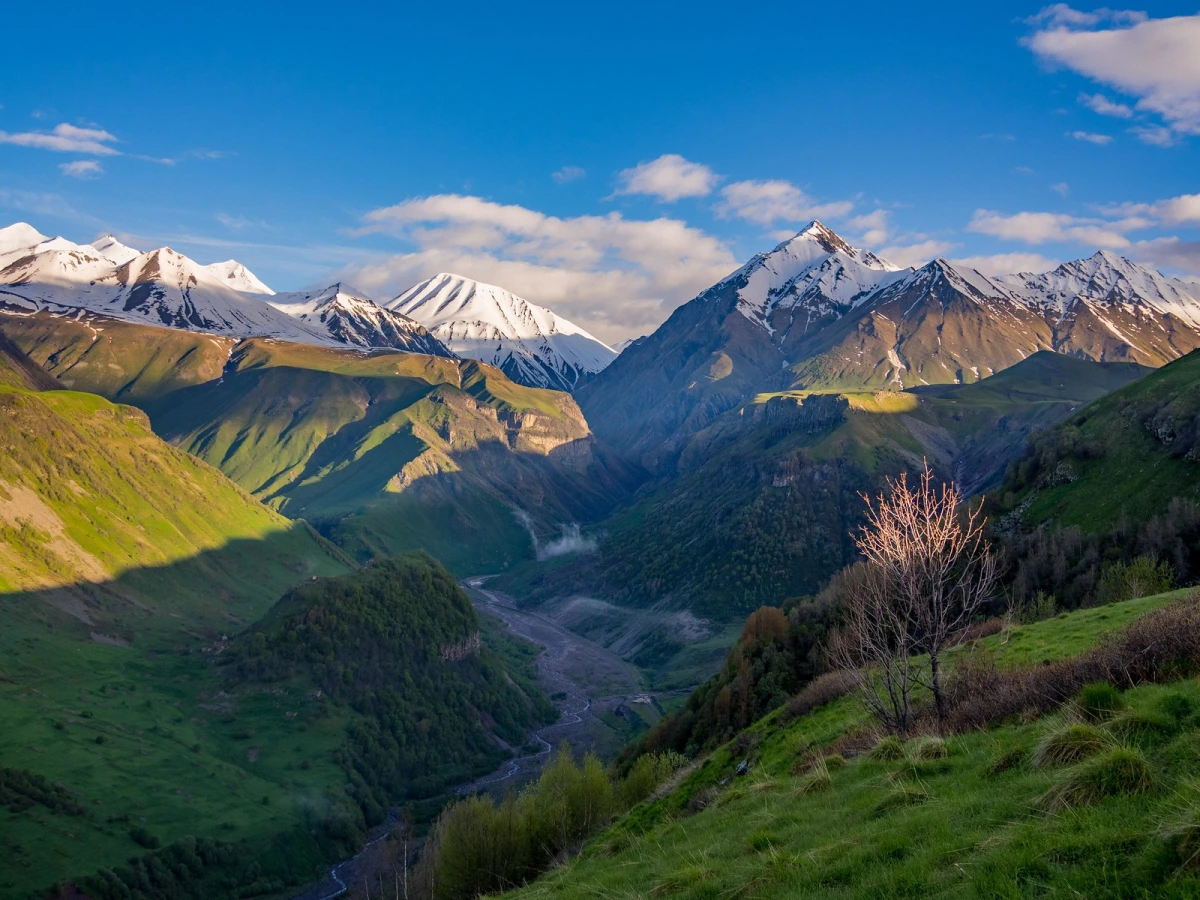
(875, 644)
(927, 572)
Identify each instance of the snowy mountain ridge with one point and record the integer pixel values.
(531, 344)
(354, 318)
(163, 287)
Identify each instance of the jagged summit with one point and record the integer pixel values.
(353, 318)
(806, 280)
(482, 321)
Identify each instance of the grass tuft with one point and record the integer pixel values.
(1098, 701)
(1182, 831)
(1119, 772)
(1144, 726)
(888, 750)
(817, 781)
(1070, 744)
(928, 748)
(835, 761)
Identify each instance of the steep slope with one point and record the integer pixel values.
(796, 806)
(528, 343)
(108, 529)
(1123, 457)
(353, 319)
(385, 451)
(19, 371)
(242, 763)
(818, 314)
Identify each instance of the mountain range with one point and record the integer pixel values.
(162, 287)
(816, 313)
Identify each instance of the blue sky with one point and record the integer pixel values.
(610, 161)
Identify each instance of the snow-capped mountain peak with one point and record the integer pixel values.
(234, 275)
(19, 236)
(482, 321)
(354, 318)
(808, 278)
(1106, 279)
(109, 247)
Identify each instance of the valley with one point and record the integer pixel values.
(279, 569)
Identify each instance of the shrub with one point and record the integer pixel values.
(1099, 701)
(888, 750)
(820, 691)
(900, 796)
(1163, 645)
(1037, 608)
(1071, 744)
(1141, 577)
(928, 748)
(1118, 772)
(143, 837)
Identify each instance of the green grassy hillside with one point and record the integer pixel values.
(1124, 455)
(383, 451)
(972, 816)
(107, 529)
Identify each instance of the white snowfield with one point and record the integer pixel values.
(817, 275)
(481, 321)
(166, 288)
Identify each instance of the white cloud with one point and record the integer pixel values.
(916, 254)
(1062, 188)
(568, 173)
(1155, 135)
(875, 227)
(65, 138)
(82, 168)
(1181, 210)
(669, 178)
(614, 276)
(1155, 60)
(1008, 263)
(237, 223)
(1046, 227)
(1105, 107)
(1061, 15)
(768, 202)
(1100, 139)
(1170, 253)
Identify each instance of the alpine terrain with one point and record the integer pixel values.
(165, 288)
(528, 343)
(817, 314)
